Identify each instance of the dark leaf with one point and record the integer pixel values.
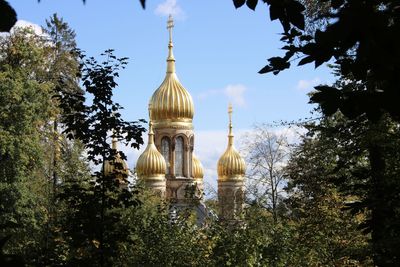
(294, 11)
(328, 98)
(318, 62)
(8, 16)
(306, 60)
(276, 64)
(275, 12)
(306, 38)
(252, 4)
(238, 3)
(143, 3)
(336, 3)
(266, 69)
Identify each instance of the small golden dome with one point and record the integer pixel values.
(109, 166)
(151, 164)
(197, 168)
(171, 102)
(231, 165)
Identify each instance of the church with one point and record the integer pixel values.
(168, 165)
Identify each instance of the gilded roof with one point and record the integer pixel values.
(231, 165)
(171, 101)
(151, 164)
(197, 168)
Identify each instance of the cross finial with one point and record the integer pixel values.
(230, 135)
(151, 133)
(149, 109)
(230, 110)
(170, 25)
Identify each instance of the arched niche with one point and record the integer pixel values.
(166, 152)
(179, 156)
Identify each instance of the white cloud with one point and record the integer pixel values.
(170, 7)
(26, 24)
(308, 85)
(233, 92)
(205, 94)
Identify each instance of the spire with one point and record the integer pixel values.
(114, 141)
(170, 59)
(151, 133)
(230, 135)
(231, 165)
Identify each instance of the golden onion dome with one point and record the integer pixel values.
(231, 165)
(151, 164)
(197, 168)
(171, 102)
(110, 168)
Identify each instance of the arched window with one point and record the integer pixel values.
(179, 156)
(165, 145)
(191, 142)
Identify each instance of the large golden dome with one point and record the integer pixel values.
(171, 103)
(197, 168)
(231, 165)
(151, 164)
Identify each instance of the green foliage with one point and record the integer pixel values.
(326, 233)
(95, 205)
(361, 37)
(257, 241)
(153, 240)
(343, 175)
(24, 108)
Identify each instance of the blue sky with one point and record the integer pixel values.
(218, 52)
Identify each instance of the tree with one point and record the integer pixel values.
(361, 38)
(327, 233)
(62, 71)
(356, 31)
(24, 109)
(95, 206)
(266, 155)
(155, 240)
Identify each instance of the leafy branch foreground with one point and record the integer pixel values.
(59, 213)
(359, 37)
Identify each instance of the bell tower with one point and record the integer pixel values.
(172, 113)
(231, 172)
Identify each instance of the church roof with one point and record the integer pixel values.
(109, 166)
(231, 165)
(197, 168)
(151, 164)
(171, 102)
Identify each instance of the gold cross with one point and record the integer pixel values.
(230, 110)
(149, 109)
(170, 25)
